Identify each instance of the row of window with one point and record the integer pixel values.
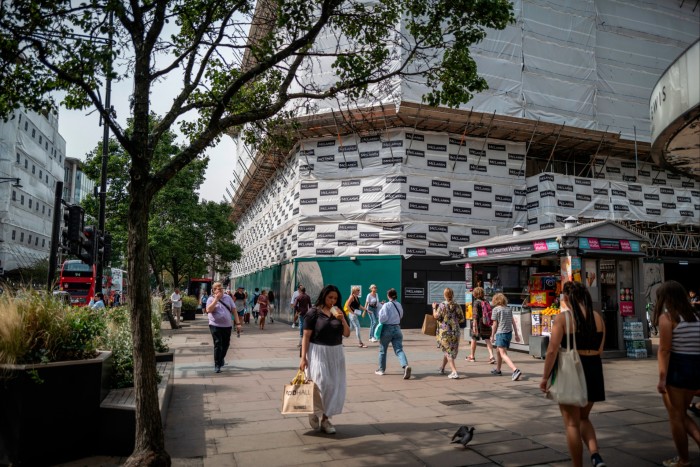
(40, 172)
(29, 239)
(45, 141)
(30, 203)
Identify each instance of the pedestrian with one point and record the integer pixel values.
(202, 302)
(589, 331)
(323, 356)
(479, 331)
(221, 309)
(372, 307)
(97, 302)
(502, 330)
(390, 316)
(292, 304)
(176, 300)
(679, 364)
(301, 306)
(694, 298)
(263, 304)
(253, 302)
(448, 315)
(271, 305)
(353, 309)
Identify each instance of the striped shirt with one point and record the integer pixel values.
(504, 316)
(686, 338)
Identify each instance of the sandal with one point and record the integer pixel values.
(492, 361)
(470, 358)
(362, 346)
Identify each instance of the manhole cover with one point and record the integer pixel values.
(455, 402)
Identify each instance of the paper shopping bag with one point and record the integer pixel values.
(429, 325)
(301, 396)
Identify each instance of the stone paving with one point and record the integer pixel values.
(233, 418)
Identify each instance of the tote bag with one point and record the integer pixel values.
(301, 396)
(567, 383)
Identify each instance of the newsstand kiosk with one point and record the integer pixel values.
(530, 267)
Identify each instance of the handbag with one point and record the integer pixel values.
(256, 307)
(429, 325)
(567, 383)
(301, 396)
(378, 331)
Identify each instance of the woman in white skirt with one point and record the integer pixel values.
(322, 354)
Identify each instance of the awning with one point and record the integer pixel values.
(502, 258)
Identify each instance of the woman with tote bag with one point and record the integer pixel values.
(587, 330)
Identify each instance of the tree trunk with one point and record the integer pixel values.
(149, 448)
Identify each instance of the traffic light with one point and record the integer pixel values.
(106, 248)
(87, 245)
(76, 221)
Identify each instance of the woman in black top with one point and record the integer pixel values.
(589, 331)
(322, 355)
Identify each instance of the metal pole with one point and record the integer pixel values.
(55, 229)
(103, 176)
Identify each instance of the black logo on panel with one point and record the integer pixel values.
(418, 206)
(461, 194)
(653, 212)
(418, 189)
(441, 164)
(461, 210)
(347, 227)
(323, 144)
(498, 162)
(477, 168)
(374, 205)
(483, 188)
(504, 214)
(548, 225)
(546, 178)
(394, 195)
(562, 187)
(416, 236)
(397, 241)
(458, 157)
(396, 179)
(485, 232)
(651, 196)
(687, 213)
(437, 244)
(348, 148)
(565, 203)
(309, 186)
(482, 204)
(347, 165)
(325, 251)
(437, 147)
(369, 234)
(350, 199)
(329, 192)
(635, 188)
(392, 144)
(516, 172)
(370, 139)
(658, 181)
(668, 205)
(392, 160)
(437, 228)
(516, 157)
(328, 207)
(547, 194)
(684, 199)
(415, 251)
(415, 152)
(521, 207)
(306, 228)
(325, 235)
(667, 191)
(369, 251)
(519, 192)
(308, 201)
(582, 181)
(532, 189)
(441, 200)
(441, 184)
(477, 152)
(393, 228)
(636, 202)
(612, 170)
(458, 142)
(371, 189)
(600, 191)
(619, 193)
(347, 242)
(496, 147)
(352, 182)
(369, 154)
(330, 158)
(306, 244)
(620, 208)
(415, 137)
(580, 197)
(459, 238)
(601, 207)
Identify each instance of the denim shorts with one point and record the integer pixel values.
(503, 339)
(683, 371)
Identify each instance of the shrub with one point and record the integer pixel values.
(189, 304)
(37, 328)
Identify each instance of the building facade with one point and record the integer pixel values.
(76, 185)
(32, 153)
(563, 130)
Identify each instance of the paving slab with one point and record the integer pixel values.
(233, 418)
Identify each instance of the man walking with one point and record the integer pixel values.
(301, 305)
(292, 303)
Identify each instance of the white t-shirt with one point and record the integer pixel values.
(176, 299)
(294, 297)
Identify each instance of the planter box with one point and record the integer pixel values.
(49, 412)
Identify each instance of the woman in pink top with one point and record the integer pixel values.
(264, 303)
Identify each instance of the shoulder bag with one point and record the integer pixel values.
(567, 383)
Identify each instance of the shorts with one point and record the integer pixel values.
(484, 333)
(683, 371)
(503, 339)
(593, 371)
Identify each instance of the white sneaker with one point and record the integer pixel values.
(453, 375)
(294, 325)
(328, 427)
(379, 372)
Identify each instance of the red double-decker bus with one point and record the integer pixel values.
(78, 279)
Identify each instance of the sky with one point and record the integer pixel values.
(82, 133)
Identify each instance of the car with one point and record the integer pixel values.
(62, 296)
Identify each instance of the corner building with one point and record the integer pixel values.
(383, 195)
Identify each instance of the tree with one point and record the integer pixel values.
(49, 45)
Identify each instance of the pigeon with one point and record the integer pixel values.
(463, 435)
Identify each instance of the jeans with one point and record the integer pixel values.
(391, 333)
(301, 326)
(222, 340)
(355, 323)
(372, 312)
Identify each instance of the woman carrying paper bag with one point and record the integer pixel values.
(322, 354)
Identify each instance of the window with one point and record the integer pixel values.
(30, 203)
(43, 243)
(47, 179)
(30, 240)
(18, 158)
(46, 146)
(26, 164)
(26, 126)
(43, 209)
(21, 201)
(14, 195)
(20, 118)
(33, 168)
(36, 241)
(14, 234)
(41, 139)
(49, 212)
(37, 206)
(33, 132)
(21, 236)
(41, 174)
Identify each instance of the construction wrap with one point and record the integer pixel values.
(553, 197)
(415, 194)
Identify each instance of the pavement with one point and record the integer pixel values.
(233, 418)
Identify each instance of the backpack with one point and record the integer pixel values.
(486, 313)
(254, 301)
